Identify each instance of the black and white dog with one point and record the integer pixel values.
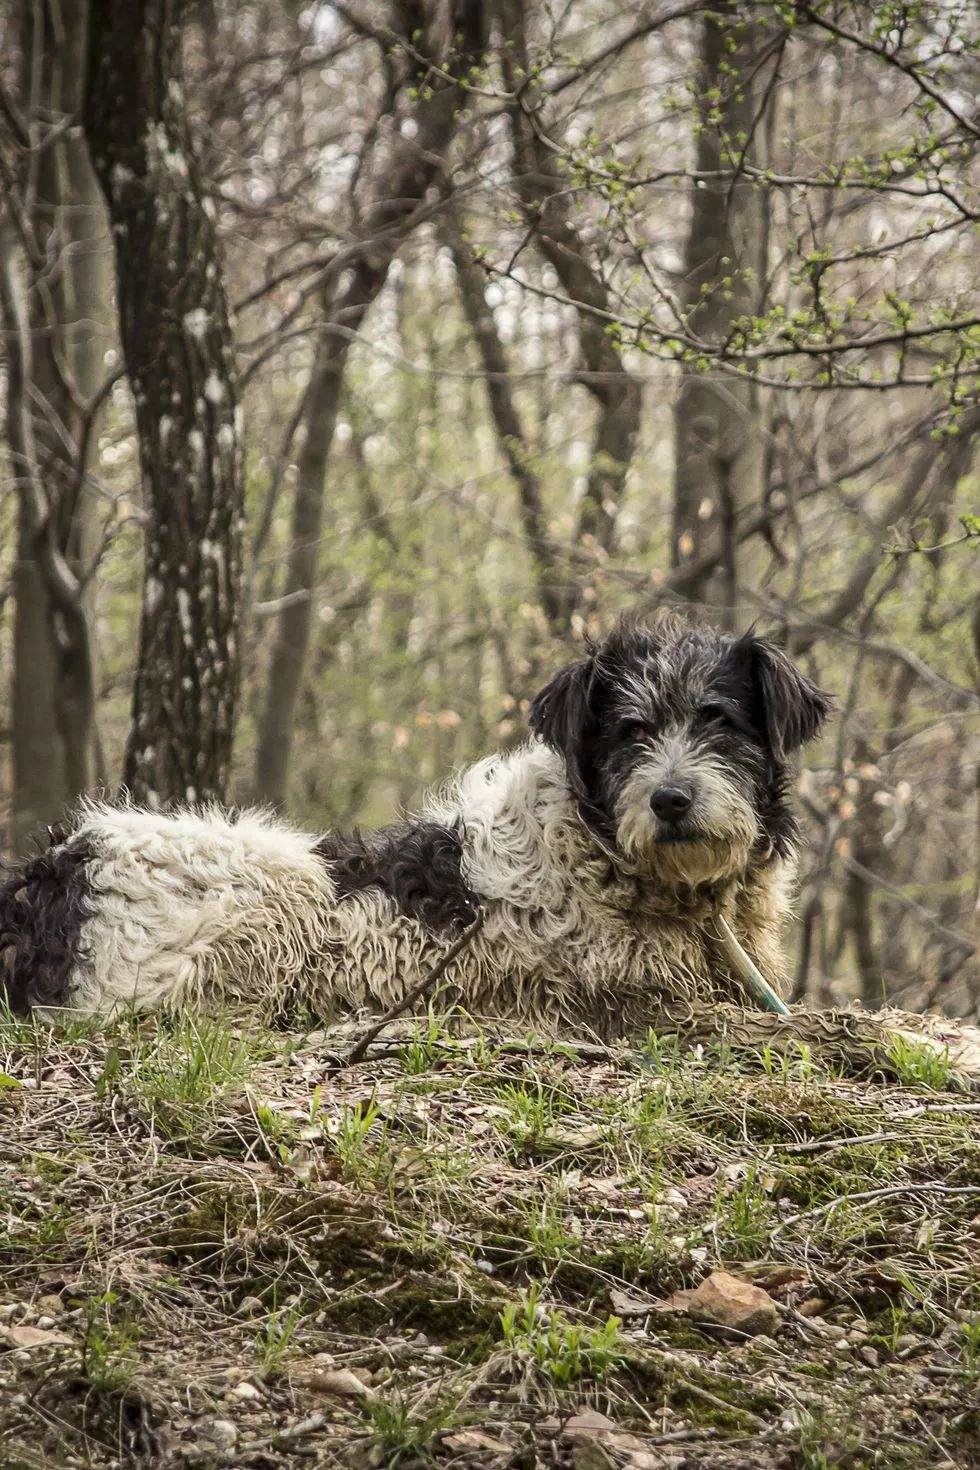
(653, 798)
(654, 795)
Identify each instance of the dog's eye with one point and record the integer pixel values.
(630, 730)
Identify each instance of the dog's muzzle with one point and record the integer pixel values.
(671, 804)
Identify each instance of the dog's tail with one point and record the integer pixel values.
(890, 1043)
(44, 903)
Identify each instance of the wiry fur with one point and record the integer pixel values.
(417, 864)
(597, 910)
(43, 908)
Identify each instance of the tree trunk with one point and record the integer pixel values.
(552, 591)
(318, 421)
(717, 440)
(392, 188)
(975, 969)
(177, 345)
(55, 293)
(542, 192)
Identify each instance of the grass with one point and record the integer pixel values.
(563, 1352)
(199, 1222)
(353, 1129)
(274, 1337)
(970, 1349)
(920, 1063)
(743, 1216)
(404, 1433)
(109, 1344)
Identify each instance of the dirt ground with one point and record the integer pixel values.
(217, 1250)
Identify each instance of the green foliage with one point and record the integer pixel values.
(109, 1344)
(405, 1433)
(274, 1337)
(563, 1352)
(355, 1125)
(182, 1069)
(421, 1051)
(970, 1348)
(923, 1064)
(743, 1217)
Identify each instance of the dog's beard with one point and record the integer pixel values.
(712, 845)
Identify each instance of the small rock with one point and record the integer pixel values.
(32, 1337)
(340, 1382)
(219, 1432)
(626, 1305)
(727, 1302)
(814, 1306)
(245, 1390)
(590, 1421)
(590, 1454)
(46, 1322)
(868, 1355)
(249, 1306)
(475, 1439)
(597, 1442)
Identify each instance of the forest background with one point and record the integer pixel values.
(359, 359)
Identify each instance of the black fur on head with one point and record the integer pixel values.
(791, 708)
(705, 717)
(565, 714)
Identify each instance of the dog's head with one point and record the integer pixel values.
(677, 740)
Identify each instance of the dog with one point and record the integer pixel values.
(652, 797)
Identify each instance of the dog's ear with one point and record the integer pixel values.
(791, 709)
(562, 714)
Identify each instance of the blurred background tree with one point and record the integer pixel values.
(535, 312)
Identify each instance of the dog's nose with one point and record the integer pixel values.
(670, 803)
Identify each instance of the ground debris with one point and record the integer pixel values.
(215, 1252)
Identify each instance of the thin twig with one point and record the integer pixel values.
(923, 1187)
(813, 1145)
(943, 1107)
(577, 1051)
(357, 1051)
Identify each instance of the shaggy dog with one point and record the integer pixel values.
(652, 798)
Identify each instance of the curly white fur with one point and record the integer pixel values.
(202, 906)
